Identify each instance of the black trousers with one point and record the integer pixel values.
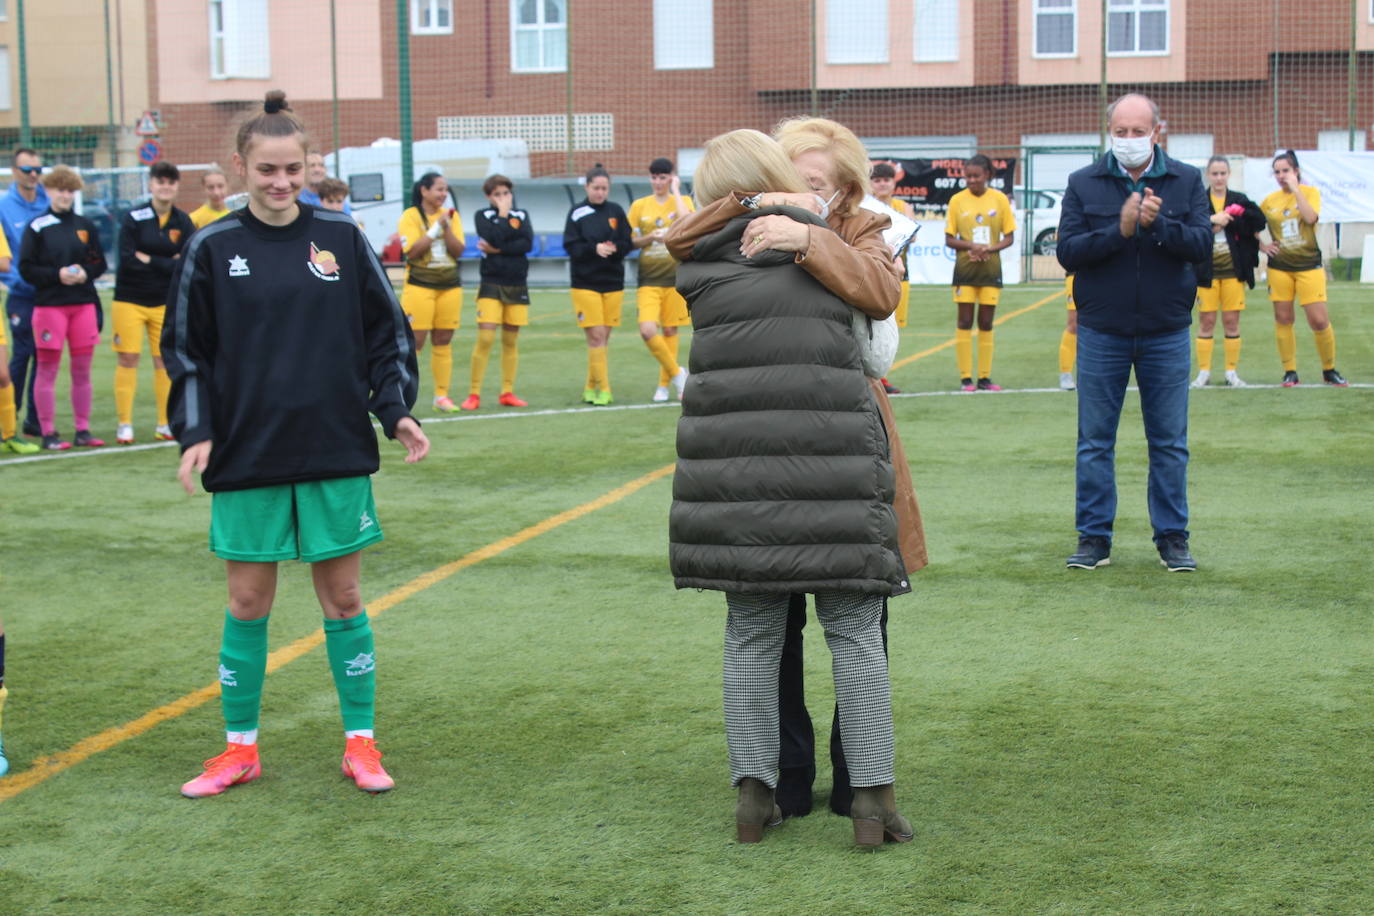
(797, 736)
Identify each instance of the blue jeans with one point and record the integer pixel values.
(1162, 364)
(23, 356)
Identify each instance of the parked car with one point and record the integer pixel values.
(1037, 213)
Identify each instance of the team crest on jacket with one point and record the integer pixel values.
(515, 222)
(83, 235)
(174, 235)
(613, 221)
(322, 264)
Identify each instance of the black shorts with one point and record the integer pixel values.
(506, 295)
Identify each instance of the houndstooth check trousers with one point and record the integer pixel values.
(754, 631)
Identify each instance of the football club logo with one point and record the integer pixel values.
(978, 218)
(322, 264)
(515, 222)
(614, 222)
(174, 235)
(47, 336)
(83, 235)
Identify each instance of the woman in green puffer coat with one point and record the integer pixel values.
(784, 484)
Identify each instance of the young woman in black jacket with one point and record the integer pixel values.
(597, 239)
(282, 335)
(1235, 254)
(61, 256)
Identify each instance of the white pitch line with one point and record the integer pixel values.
(565, 411)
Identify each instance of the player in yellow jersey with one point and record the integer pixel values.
(216, 188)
(1068, 341)
(431, 234)
(883, 181)
(1295, 269)
(1235, 255)
(662, 310)
(979, 226)
(10, 440)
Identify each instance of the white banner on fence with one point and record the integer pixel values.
(1346, 180)
(930, 262)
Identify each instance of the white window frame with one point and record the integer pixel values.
(684, 34)
(433, 7)
(540, 27)
(6, 90)
(916, 33)
(1036, 12)
(1135, 8)
(244, 37)
(879, 54)
(4, 10)
(1190, 146)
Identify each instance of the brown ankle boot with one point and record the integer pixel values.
(875, 817)
(755, 810)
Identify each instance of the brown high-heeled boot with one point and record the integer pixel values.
(755, 810)
(874, 811)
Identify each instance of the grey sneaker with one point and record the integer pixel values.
(1174, 555)
(1094, 550)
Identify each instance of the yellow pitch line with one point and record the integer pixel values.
(46, 767)
(950, 342)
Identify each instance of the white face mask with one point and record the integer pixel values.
(825, 204)
(1132, 152)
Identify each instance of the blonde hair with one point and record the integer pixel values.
(743, 160)
(804, 135)
(62, 178)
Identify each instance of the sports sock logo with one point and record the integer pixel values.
(360, 664)
(226, 677)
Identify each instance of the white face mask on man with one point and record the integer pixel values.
(1133, 152)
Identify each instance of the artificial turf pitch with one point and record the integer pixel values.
(1116, 741)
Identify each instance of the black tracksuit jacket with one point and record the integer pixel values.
(279, 341)
(514, 235)
(146, 284)
(52, 242)
(587, 225)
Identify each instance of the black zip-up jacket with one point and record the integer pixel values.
(1240, 238)
(514, 235)
(146, 284)
(587, 225)
(52, 242)
(279, 340)
(1146, 284)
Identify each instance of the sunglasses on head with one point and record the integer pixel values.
(30, 169)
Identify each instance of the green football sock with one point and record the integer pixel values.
(353, 662)
(242, 667)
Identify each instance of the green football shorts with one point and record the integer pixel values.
(312, 521)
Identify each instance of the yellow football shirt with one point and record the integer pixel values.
(1222, 266)
(204, 215)
(983, 220)
(1298, 249)
(656, 266)
(439, 269)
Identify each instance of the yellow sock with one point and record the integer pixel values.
(659, 348)
(1205, 346)
(4, 692)
(1068, 349)
(1326, 346)
(481, 352)
(125, 385)
(963, 352)
(510, 360)
(984, 354)
(7, 419)
(601, 368)
(591, 369)
(664, 377)
(441, 364)
(1231, 347)
(162, 387)
(1288, 346)
(672, 343)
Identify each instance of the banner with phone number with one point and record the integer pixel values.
(928, 184)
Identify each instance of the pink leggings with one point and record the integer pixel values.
(77, 326)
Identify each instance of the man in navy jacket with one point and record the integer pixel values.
(1133, 226)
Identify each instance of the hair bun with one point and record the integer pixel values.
(275, 101)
